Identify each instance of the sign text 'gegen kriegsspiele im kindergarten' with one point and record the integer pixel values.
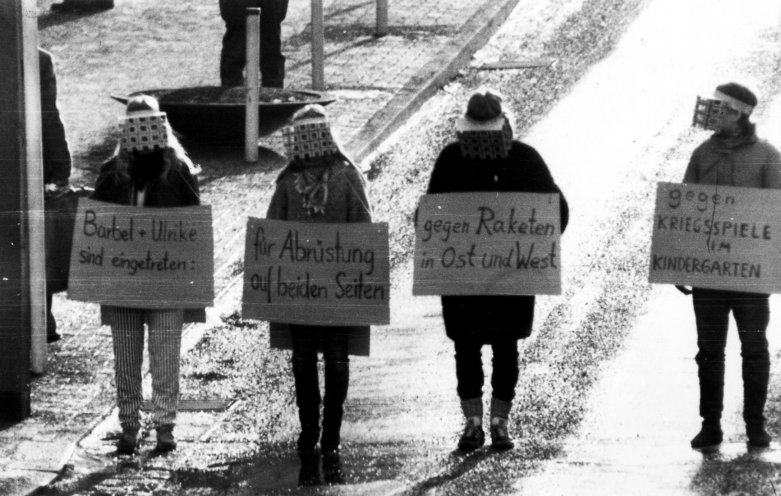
(487, 243)
(319, 274)
(718, 237)
(142, 257)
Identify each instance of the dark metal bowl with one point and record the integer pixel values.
(215, 114)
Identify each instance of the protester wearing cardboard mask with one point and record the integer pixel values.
(321, 185)
(732, 156)
(486, 158)
(149, 169)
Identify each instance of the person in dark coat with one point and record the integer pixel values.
(319, 184)
(234, 42)
(56, 158)
(733, 156)
(147, 176)
(500, 164)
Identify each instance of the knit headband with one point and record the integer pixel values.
(309, 138)
(486, 139)
(143, 131)
(734, 103)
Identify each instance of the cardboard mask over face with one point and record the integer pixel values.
(309, 138)
(484, 140)
(143, 131)
(709, 112)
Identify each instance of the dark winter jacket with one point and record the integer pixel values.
(488, 318)
(179, 190)
(346, 202)
(751, 163)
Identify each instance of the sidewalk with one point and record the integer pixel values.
(379, 82)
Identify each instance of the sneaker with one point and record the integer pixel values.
(500, 439)
(710, 435)
(757, 435)
(128, 441)
(165, 438)
(472, 438)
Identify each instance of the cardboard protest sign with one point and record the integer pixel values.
(317, 274)
(717, 237)
(142, 257)
(487, 243)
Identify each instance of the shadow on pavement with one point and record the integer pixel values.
(738, 470)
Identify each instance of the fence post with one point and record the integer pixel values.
(253, 85)
(318, 44)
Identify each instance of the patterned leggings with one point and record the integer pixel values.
(165, 337)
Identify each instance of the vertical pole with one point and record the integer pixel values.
(318, 46)
(14, 298)
(32, 183)
(382, 18)
(253, 85)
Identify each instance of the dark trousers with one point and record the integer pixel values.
(333, 342)
(234, 43)
(752, 314)
(469, 368)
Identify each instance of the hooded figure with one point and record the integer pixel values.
(149, 169)
(732, 156)
(319, 184)
(486, 158)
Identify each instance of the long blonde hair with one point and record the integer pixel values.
(173, 154)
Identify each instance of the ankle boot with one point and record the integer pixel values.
(710, 434)
(309, 416)
(128, 441)
(711, 377)
(165, 438)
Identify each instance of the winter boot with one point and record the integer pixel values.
(473, 436)
(500, 412)
(128, 441)
(165, 438)
(310, 428)
(711, 404)
(755, 380)
(710, 434)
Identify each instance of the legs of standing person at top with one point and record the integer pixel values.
(469, 374)
(711, 310)
(234, 44)
(504, 378)
(304, 362)
(165, 338)
(127, 333)
(272, 62)
(752, 314)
